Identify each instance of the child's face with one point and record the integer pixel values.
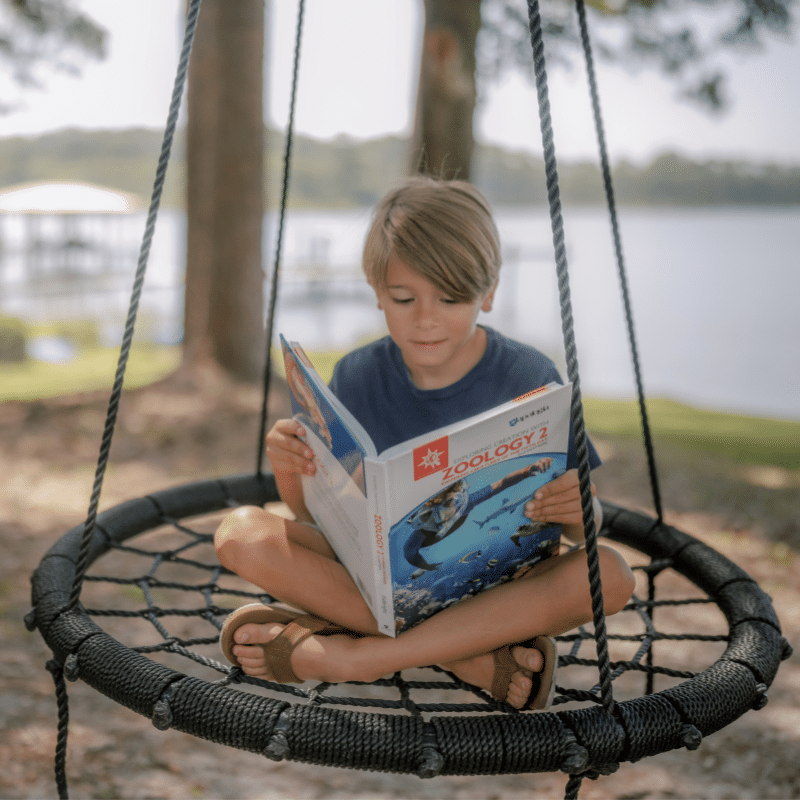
(437, 336)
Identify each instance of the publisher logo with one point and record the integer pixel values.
(430, 458)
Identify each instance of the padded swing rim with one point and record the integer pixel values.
(445, 745)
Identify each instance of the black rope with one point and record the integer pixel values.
(573, 787)
(62, 700)
(579, 429)
(127, 339)
(623, 279)
(82, 562)
(205, 617)
(287, 160)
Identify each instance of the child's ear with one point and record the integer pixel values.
(488, 301)
(377, 295)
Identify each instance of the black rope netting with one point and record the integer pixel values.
(162, 597)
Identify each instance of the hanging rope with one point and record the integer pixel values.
(56, 668)
(287, 161)
(623, 279)
(579, 743)
(127, 339)
(557, 225)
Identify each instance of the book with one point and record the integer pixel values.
(439, 518)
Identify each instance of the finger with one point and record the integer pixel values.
(563, 483)
(284, 461)
(288, 453)
(559, 490)
(286, 430)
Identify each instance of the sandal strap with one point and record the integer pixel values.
(504, 667)
(278, 652)
(543, 683)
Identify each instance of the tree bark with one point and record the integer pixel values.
(202, 97)
(225, 190)
(442, 142)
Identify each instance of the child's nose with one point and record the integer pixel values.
(426, 314)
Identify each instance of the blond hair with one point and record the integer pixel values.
(442, 230)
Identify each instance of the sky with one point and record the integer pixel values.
(359, 65)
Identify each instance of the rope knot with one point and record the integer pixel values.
(761, 697)
(278, 746)
(72, 668)
(691, 737)
(431, 760)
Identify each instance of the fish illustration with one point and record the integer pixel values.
(530, 529)
(507, 506)
(418, 574)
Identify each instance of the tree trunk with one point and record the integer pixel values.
(442, 143)
(202, 103)
(225, 190)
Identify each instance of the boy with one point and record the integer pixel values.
(432, 255)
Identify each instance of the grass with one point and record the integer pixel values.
(94, 368)
(751, 440)
(323, 360)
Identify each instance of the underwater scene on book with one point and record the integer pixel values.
(310, 407)
(471, 536)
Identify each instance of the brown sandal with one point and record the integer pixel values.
(278, 651)
(543, 690)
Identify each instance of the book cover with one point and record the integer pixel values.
(437, 519)
(455, 504)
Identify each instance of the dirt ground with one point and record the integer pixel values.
(184, 430)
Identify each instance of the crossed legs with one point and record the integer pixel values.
(293, 561)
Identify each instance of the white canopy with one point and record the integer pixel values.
(67, 198)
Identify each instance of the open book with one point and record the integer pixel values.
(438, 518)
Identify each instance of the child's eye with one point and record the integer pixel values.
(401, 301)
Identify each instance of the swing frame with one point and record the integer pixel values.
(582, 743)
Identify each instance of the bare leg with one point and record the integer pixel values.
(465, 632)
(293, 562)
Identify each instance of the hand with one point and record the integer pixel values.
(286, 451)
(558, 501)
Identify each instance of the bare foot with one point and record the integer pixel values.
(340, 658)
(479, 671)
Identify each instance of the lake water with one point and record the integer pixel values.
(714, 295)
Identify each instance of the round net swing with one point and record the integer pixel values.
(132, 603)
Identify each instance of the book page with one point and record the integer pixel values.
(339, 508)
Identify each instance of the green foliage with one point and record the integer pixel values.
(12, 340)
(92, 369)
(751, 440)
(345, 172)
(664, 36)
(83, 333)
(37, 33)
(123, 160)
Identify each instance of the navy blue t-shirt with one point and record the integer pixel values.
(375, 386)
